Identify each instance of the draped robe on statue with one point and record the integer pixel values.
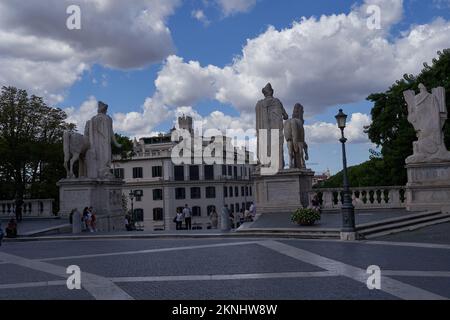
(270, 114)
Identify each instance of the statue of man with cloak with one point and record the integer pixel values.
(270, 115)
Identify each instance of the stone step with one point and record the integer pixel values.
(406, 229)
(408, 217)
(63, 228)
(404, 223)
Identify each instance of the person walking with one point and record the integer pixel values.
(214, 217)
(179, 220)
(187, 214)
(253, 210)
(1, 233)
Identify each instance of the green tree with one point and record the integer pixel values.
(390, 128)
(31, 149)
(127, 147)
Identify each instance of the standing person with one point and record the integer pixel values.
(11, 229)
(187, 214)
(19, 204)
(214, 217)
(85, 218)
(179, 220)
(89, 220)
(1, 234)
(253, 210)
(315, 203)
(93, 220)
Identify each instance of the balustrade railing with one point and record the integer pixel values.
(363, 198)
(30, 208)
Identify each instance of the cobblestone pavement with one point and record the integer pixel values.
(225, 269)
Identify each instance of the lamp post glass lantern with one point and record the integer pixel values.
(348, 210)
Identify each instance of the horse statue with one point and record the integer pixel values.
(294, 133)
(75, 148)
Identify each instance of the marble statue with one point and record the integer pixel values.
(294, 132)
(270, 114)
(93, 149)
(427, 112)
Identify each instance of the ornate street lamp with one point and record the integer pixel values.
(348, 210)
(131, 195)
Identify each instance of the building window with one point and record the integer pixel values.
(246, 191)
(235, 172)
(196, 212)
(157, 172)
(158, 214)
(138, 194)
(230, 192)
(157, 194)
(180, 193)
(232, 208)
(119, 173)
(209, 172)
(139, 215)
(194, 173)
(210, 209)
(196, 193)
(225, 192)
(242, 191)
(230, 171)
(138, 173)
(210, 192)
(237, 207)
(179, 173)
(236, 191)
(224, 170)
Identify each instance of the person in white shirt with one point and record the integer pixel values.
(187, 214)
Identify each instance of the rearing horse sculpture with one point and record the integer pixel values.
(75, 148)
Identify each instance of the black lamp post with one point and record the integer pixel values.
(132, 204)
(348, 210)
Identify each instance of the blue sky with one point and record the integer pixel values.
(141, 106)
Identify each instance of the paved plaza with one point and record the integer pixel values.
(229, 269)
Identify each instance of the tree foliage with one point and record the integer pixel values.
(31, 149)
(390, 128)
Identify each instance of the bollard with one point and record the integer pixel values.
(76, 222)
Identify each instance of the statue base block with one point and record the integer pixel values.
(104, 195)
(428, 186)
(286, 191)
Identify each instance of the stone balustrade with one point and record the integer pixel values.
(363, 198)
(31, 208)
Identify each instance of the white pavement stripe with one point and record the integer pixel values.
(32, 285)
(99, 255)
(219, 277)
(408, 244)
(424, 274)
(99, 287)
(391, 286)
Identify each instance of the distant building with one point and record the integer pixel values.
(321, 178)
(164, 187)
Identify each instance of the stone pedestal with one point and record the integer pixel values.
(428, 186)
(104, 195)
(286, 191)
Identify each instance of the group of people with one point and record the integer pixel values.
(185, 216)
(88, 219)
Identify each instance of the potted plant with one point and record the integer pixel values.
(305, 217)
